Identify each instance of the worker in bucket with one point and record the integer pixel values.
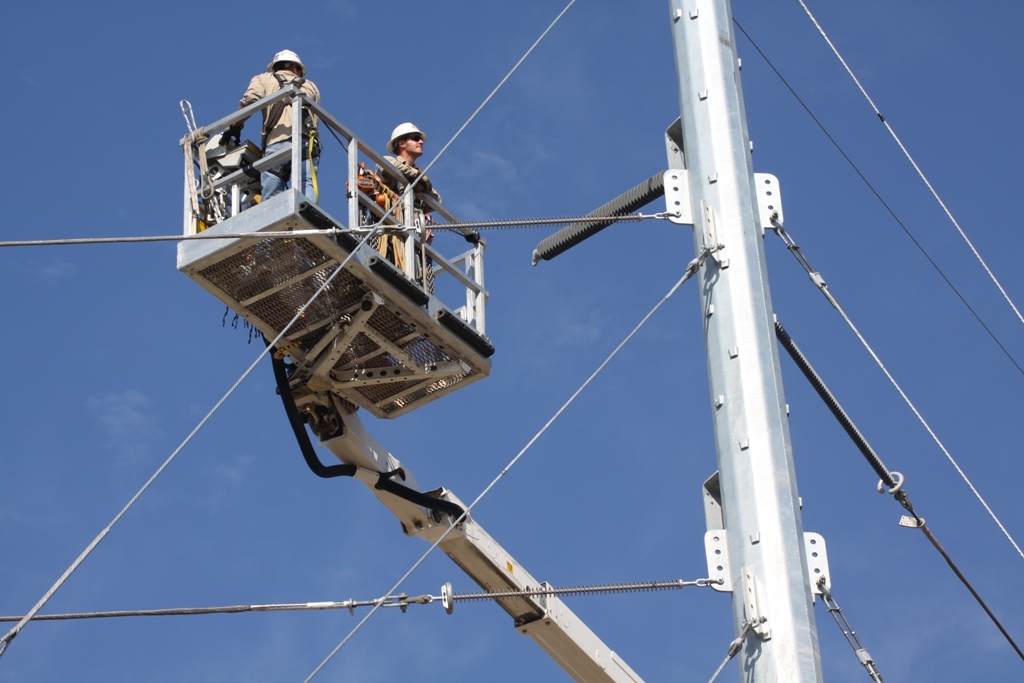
(284, 69)
(407, 145)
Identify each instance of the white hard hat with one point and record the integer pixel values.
(401, 130)
(287, 56)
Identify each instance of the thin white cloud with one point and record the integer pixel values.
(496, 166)
(345, 8)
(233, 473)
(572, 332)
(471, 211)
(226, 478)
(55, 269)
(121, 416)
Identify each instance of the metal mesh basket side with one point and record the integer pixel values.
(280, 307)
(262, 266)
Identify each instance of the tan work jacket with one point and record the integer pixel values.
(411, 173)
(265, 84)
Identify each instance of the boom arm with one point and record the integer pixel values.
(545, 619)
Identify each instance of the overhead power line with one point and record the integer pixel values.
(691, 269)
(167, 238)
(895, 481)
(401, 601)
(328, 232)
(409, 188)
(913, 163)
(16, 629)
(819, 282)
(879, 197)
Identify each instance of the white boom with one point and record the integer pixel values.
(545, 619)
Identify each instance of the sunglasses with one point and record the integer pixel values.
(415, 137)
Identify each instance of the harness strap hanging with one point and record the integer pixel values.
(277, 109)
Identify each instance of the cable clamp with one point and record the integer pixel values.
(898, 478)
(708, 583)
(912, 522)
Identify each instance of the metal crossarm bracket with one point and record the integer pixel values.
(817, 562)
(715, 540)
(716, 548)
(680, 209)
(677, 197)
(769, 200)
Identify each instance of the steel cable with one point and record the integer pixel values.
(963, 579)
(291, 234)
(401, 601)
(641, 587)
(409, 188)
(897, 490)
(168, 238)
(913, 163)
(820, 283)
(16, 629)
(884, 203)
(846, 627)
(734, 648)
(691, 269)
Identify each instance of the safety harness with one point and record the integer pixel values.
(311, 147)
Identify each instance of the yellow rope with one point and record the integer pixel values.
(312, 167)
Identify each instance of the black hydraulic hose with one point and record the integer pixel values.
(384, 482)
(574, 233)
(299, 427)
(833, 405)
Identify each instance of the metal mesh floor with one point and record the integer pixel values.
(267, 282)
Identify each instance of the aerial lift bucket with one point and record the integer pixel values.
(374, 337)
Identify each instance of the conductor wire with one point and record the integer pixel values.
(913, 163)
(423, 173)
(16, 629)
(819, 281)
(401, 601)
(899, 493)
(881, 200)
(691, 269)
(291, 234)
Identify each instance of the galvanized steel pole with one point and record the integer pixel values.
(760, 505)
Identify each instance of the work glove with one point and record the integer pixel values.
(234, 132)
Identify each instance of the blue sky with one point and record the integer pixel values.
(113, 356)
